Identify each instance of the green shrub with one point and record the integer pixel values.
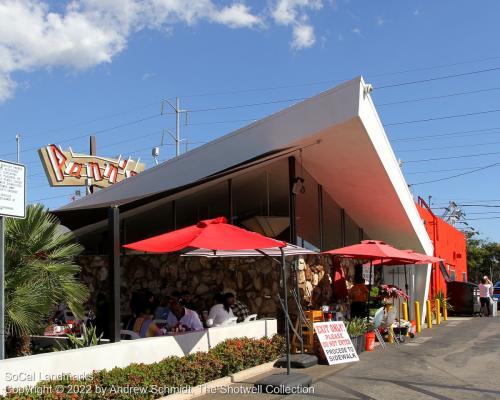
(357, 327)
(226, 358)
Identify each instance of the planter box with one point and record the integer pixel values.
(359, 343)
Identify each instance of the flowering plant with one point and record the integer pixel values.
(392, 292)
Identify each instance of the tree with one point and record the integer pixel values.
(40, 273)
(483, 258)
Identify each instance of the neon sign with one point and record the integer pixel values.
(66, 168)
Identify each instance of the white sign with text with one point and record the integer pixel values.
(12, 190)
(335, 342)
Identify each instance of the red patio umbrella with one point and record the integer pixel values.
(217, 235)
(374, 250)
(213, 234)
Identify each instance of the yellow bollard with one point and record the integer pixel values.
(405, 311)
(445, 313)
(418, 321)
(429, 314)
(437, 307)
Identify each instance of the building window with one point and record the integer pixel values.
(453, 275)
(260, 200)
(307, 211)
(464, 276)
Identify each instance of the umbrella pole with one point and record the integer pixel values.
(369, 293)
(299, 306)
(285, 297)
(406, 288)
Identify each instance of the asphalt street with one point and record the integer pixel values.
(460, 359)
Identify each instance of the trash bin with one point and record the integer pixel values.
(463, 297)
(494, 308)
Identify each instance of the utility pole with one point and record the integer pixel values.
(178, 112)
(18, 147)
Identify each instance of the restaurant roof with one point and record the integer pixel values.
(345, 149)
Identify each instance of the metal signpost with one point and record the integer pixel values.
(12, 204)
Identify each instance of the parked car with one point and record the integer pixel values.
(496, 292)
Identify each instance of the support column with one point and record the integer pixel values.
(342, 227)
(292, 201)
(230, 200)
(320, 217)
(114, 277)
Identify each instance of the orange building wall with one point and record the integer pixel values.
(449, 244)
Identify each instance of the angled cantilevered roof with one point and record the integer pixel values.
(344, 147)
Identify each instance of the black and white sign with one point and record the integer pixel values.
(335, 342)
(12, 190)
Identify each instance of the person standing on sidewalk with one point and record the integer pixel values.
(485, 289)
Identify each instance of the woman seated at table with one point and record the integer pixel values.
(142, 322)
(221, 311)
(181, 318)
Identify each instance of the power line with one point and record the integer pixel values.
(440, 170)
(451, 157)
(437, 78)
(448, 147)
(125, 124)
(371, 76)
(454, 134)
(438, 97)
(457, 175)
(443, 117)
(482, 218)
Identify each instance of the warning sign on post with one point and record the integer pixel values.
(12, 190)
(335, 342)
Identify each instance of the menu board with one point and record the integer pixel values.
(335, 342)
(12, 190)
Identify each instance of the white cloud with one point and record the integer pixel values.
(357, 31)
(80, 34)
(294, 13)
(380, 21)
(303, 36)
(237, 16)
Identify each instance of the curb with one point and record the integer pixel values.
(199, 390)
(251, 372)
(209, 387)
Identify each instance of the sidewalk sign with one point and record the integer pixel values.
(335, 342)
(12, 204)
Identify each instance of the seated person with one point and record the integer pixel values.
(142, 321)
(162, 311)
(359, 297)
(221, 311)
(240, 310)
(182, 317)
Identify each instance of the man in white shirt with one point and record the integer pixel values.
(485, 289)
(182, 318)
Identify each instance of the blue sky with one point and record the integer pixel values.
(95, 65)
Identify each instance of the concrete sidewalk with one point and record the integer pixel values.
(460, 359)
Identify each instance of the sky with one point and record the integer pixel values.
(105, 67)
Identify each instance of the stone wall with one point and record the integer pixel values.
(254, 280)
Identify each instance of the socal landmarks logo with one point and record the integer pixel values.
(66, 168)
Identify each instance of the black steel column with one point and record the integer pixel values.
(230, 200)
(114, 272)
(320, 217)
(342, 226)
(292, 200)
(174, 215)
(361, 234)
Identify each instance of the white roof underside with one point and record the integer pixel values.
(353, 161)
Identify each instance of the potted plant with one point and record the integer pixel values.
(356, 328)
